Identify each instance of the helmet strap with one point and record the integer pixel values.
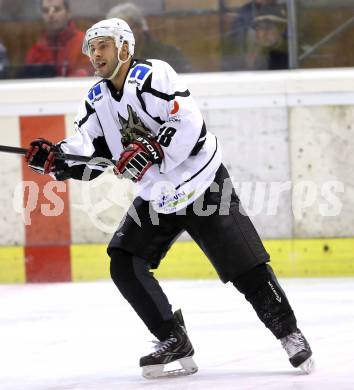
(120, 63)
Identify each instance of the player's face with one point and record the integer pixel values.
(103, 55)
(55, 15)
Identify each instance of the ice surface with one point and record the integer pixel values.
(85, 336)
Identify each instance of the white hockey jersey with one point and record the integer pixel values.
(154, 94)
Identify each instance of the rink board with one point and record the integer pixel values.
(289, 258)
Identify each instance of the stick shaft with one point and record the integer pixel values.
(12, 149)
(61, 156)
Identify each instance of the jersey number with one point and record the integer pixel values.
(165, 135)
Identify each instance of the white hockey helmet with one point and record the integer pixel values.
(119, 30)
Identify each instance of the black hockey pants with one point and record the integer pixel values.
(140, 288)
(228, 239)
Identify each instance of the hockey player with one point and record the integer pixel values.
(142, 115)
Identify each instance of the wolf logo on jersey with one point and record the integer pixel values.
(132, 127)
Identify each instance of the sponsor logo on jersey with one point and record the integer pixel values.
(139, 72)
(175, 108)
(97, 98)
(134, 82)
(94, 93)
(171, 201)
(174, 118)
(174, 115)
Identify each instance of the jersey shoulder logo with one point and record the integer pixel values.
(139, 73)
(95, 93)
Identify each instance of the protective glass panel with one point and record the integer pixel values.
(325, 33)
(43, 38)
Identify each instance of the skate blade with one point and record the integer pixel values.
(157, 371)
(308, 366)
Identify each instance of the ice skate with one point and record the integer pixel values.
(299, 351)
(177, 347)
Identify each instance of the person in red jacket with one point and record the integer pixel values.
(60, 44)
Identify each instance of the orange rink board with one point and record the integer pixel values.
(47, 239)
(289, 258)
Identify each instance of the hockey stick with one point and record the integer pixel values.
(60, 156)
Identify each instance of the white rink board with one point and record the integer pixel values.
(322, 150)
(255, 144)
(12, 228)
(85, 336)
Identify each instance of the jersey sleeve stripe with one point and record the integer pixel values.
(201, 140)
(89, 111)
(143, 106)
(201, 169)
(148, 88)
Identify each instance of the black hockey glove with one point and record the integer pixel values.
(41, 157)
(138, 157)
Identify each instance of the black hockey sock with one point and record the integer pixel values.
(262, 290)
(138, 286)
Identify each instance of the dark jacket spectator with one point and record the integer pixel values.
(61, 42)
(145, 45)
(236, 41)
(270, 48)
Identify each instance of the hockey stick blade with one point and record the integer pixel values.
(60, 156)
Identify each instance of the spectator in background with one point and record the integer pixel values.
(60, 44)
(146, 46)
(236, 41)
(270, 48)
